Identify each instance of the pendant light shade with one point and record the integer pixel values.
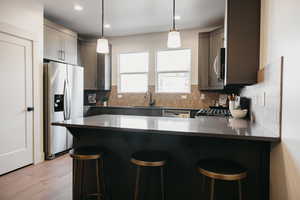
(102, 46)
(102, 43)
(174, 40)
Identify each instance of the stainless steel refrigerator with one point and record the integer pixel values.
(63, 99)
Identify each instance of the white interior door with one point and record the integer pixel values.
(16, 123)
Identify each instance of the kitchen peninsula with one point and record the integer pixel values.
(186, 141)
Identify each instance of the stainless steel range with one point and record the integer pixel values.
(216, 112)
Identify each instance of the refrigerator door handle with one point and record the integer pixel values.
(65, 100)
(69, 100)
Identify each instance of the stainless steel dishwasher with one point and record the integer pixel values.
(176, 113)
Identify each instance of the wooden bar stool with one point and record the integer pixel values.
(221, 170)
(80, 156)
(149, 159)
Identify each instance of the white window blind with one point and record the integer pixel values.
(133, 72)
(173, 71)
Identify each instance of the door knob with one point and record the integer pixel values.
(30, 109)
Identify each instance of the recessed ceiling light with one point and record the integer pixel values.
(107, 26)
(78, 7)
(177, 17)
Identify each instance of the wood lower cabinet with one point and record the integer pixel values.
(60, 44)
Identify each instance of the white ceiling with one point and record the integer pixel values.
(128, 17)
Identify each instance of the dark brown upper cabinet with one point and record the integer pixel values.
(242, 41)
(97, 67)
(229, 57)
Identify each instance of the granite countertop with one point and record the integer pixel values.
(141, 107)
(215, 127)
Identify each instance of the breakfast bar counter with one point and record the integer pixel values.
(215, 127)
(186, 141)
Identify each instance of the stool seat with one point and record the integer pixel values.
(81, 156)
(149, 158)
(86, 153)
(221, 169)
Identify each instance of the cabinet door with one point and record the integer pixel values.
(70, 49)
(203, 61)
(243, 41)
(216, 43)
(89, 62)
(52, 44)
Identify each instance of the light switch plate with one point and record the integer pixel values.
(263, 100)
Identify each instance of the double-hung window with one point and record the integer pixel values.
(173, 71)
(133, 72)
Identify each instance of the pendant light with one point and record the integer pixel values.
(174, 40)
(102, 43)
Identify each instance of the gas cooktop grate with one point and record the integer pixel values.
(214, 112)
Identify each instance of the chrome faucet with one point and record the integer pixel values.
(151, 100)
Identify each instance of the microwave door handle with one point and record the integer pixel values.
(215, 66)
(65, 100)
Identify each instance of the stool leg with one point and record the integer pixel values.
(82, 185)
(212, 189)
(203, 184)
(78, 180)
(240, 189)
(102, 178)
(137, 183)
(98, 180)
(162, 183)
(75, 181)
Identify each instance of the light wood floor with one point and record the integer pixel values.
(50, 180)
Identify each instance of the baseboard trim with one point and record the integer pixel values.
(40, 157)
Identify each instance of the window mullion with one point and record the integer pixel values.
(133, 73)
(181, 71)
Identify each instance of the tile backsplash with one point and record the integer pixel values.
(266, 96)
(195, 99)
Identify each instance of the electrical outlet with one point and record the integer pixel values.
(202, 96)
(183, 96)
(254, 100)
(120, 96)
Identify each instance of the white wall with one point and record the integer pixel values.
(27, 15)
(151, 43)
(280, 36)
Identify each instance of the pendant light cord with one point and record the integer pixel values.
(102, 32)
(173, 14)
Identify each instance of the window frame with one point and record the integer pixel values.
(119, 72)
(176, 71)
